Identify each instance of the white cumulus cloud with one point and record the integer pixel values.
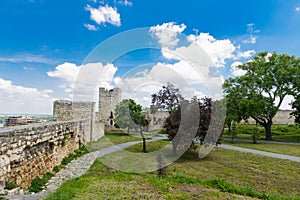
(17, 99)
(104, 14)
(167, 33)
(84, 80)
(218, 50)
(235, 70)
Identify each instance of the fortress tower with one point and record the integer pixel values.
(108, 99)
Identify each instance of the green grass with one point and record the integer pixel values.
(223, 174)
(115, 137)
(284, 133)
(292, 150)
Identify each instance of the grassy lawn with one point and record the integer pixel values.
(116, 137)
(292, 150)
(223, 174)
(283, 133)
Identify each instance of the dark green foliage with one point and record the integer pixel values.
(64, 141)
(129, 115)
(37, 184)
(296, 106)
(10, 185)
(57, 168)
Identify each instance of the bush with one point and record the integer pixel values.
(38, 184)
(9, 185)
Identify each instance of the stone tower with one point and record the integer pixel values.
(108, 99)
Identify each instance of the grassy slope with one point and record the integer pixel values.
(219, 176)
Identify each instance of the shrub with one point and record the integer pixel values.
(9, 185)
(38, 184)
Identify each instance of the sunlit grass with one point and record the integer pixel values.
(223, 174)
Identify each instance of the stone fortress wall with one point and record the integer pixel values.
(282, 117)
(27, 152)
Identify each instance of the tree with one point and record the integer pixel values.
(129, 115)
(296, 112)
(260, 92)
(167, 99)
(194, 117)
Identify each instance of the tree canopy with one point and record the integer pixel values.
(129, 114)
(187, 119)
(167, 99)
(260, 92)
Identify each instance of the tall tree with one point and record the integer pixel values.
(260, 92)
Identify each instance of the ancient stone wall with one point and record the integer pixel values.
(108, 99)
(67, 110)
(27, 152)
(64, 110)
(282, 117)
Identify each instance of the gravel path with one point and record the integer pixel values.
(263, 153)
(75, 169)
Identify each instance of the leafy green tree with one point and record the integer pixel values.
(129, 115)
(260, 92)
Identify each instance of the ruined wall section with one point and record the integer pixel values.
(64, 110)
(27, 152)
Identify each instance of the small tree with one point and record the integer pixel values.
(168, 99)
(198, 112)
(129, 115)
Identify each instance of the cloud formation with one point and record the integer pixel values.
(235, 70)
(90, 27)
(167, 33)
(104, 15)
(28, 58)
(84, 80)
(17, 98)
(123, 2)
(252, 31)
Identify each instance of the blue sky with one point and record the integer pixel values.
(44, 43)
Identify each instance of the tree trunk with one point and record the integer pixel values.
(229, 127)
(144, 141)
(267, 127)
(174, 147)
